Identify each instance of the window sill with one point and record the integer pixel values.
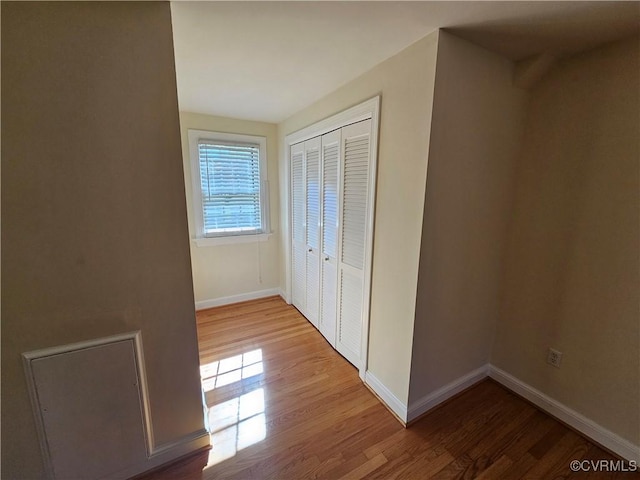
(232, 239)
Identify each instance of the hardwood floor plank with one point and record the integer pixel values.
(455, 469)
(548, 442)
(529, 435)
(389, 470)
(497, 470)
(424, 465)
(557, 454)
(520, 466)
(493, 442)
(327, 465)
(365, 468)
(562, 469)
(284, 405)
(350, 441)
(344, 468)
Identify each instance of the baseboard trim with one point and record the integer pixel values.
(283, 294)
(573, 419)
(388, 398)
(183, 445)
(199, 452)
(582, 424)
(242, 297)
(167, 453)
(432, 400)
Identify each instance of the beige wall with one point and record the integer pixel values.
(94, 230)
(405, 83)
(240, 268)
(476, 128)
(571, 277)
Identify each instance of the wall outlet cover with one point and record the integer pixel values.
(554, 357)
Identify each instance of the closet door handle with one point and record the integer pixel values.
(326, 259)
(310, 250)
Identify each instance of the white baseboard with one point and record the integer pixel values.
(243, 297)
(434, 399)
(579, 422)
(166, 453)
(183, 445)
(582, 424)
(283, 294)
(394, 404)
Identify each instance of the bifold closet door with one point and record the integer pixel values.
(298, 228)
(330, 206)
(354, 205)
(330, 161)
(312, 174)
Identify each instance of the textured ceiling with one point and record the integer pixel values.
(267, 60)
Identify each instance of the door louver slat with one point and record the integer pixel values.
(298, 245)
(356, 167)
(330, 200)
(313, 197)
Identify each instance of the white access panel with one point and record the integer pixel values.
(89, 410)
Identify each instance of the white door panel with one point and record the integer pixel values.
(312, 157)
(328, 319)
(298, 228)
(329, 227)
(350, 316)
(354, 184)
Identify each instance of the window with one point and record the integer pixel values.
(230, 191)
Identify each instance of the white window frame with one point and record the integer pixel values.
(201, 239)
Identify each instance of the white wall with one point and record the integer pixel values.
(571, 277)
(405, 83)
(94, 230)
(476, 128)
(229, 273)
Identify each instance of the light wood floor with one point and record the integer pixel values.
(301, 412)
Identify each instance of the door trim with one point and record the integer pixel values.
(369, 109)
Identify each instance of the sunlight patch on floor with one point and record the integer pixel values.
(240, 422)
(230, 370)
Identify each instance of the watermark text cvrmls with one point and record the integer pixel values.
(603, 466)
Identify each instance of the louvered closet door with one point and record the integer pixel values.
(330, 162)
(299, 234)
(356, 154)
(312, 173)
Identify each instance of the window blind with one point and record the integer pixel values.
(230, 182)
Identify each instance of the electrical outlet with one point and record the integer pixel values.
(554, 357)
